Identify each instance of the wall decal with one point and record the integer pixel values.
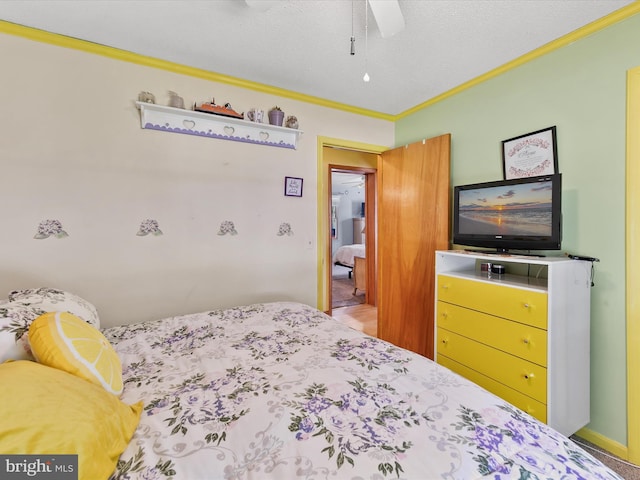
(285, 229)
(227, 227)
(149, 226)
(46, 228)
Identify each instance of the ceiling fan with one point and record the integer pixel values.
(387, 13)
(356, 181)
(388, 16)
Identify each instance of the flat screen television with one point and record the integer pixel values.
(516, 214)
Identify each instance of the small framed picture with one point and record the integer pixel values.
(530, 155)
(292, 186)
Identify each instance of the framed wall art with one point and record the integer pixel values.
(292, 187)
(530, 155)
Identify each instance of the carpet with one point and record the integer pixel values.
(342, 293)
(623, 468)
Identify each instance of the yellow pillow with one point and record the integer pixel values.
(64, 341)
(47, 411)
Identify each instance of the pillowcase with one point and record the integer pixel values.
(48, 411)
(63, 341)
(55, 300)
(15, 320)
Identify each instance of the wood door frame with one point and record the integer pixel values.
(370, 223)
(632, 261)
(630, 451)
(324, 209)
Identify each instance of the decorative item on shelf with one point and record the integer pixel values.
(224, 111)
(276, 116)
(146, 97)
(255, 115)
(175, 100)
(498, 269)
(291, 122)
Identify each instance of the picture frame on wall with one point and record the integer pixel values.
(530, 155)
(293, 186)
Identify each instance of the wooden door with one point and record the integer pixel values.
(413, 222)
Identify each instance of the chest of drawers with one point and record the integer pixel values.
(525, 338)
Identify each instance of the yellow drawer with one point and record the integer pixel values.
(521, 375)
(516, 338)
(523, 402)
(525, 306)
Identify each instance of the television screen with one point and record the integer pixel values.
(523, 213)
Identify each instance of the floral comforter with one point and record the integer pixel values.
(282, 391)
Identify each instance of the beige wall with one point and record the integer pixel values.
(72, 149)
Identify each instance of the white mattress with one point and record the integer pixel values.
(344, 255)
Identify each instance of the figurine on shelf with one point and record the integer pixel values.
(291, 122)
(146, 97)
(276, 116)
(255, 115)
(211, 107)
(175, 100)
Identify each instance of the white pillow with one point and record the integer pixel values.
(15, 320)
(55, 300)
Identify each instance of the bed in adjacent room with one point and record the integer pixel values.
(282, 391)
(345, 255)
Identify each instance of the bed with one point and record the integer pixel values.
(283, 391)
(345, 255)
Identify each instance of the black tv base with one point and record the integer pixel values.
(503, 253)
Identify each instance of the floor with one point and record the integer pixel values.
(623, 468)
(365, 319)
(359, 317)
(343, 293)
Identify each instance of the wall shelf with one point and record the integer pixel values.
(189, 122)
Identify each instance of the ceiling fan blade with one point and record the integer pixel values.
(388, 16)
(261, 5)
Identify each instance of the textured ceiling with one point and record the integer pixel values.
(303, 45)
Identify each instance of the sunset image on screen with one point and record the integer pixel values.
(507, 210)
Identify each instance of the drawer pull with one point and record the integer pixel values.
(526, 305)
(444, 341)
(529, 376)
(525, 341)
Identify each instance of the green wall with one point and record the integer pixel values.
(580, 88)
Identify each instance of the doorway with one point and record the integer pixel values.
(348, 232)
(415, 183)
(346, 156)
